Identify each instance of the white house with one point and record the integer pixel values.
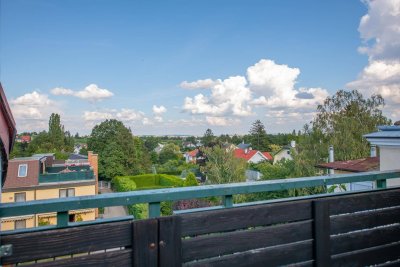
(388, 141)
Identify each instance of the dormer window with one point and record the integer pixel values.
(22, 170)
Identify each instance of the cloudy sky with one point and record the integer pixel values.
(180, 67)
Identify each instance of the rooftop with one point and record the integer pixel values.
(357, 165)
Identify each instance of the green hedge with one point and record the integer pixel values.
(145, 182)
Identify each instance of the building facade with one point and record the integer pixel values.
(38, 177)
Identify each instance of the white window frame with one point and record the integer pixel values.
(19, 170)
(67, 192)
(17, 221)
(21, 193)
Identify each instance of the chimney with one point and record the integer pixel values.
(331, 159)
(246, 150)
(373, 151)
(93, 161)
(293, 143)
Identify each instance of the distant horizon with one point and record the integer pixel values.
(185, 66)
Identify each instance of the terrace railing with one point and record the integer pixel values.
(155, 197)
(66, 177)
(341, 229)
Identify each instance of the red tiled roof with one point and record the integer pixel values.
(240, 153)
(25, 138)
(193, 153)
(357, 165)
(267, 155)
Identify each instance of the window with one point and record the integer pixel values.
(22, 170)
(20, 197)
(20, 224)
(69, 192)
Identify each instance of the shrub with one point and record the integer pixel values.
(123, 184)
(170, 181)
(190, 180)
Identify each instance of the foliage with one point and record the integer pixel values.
(78, 218)
(190, 180)
(43, 222)
(222, 166)
(258, 136)
(275, 148)
(208, 138)
(119, 152)
(53, 141)
(341, 121)
(174, 167)
(192, 204)
(169, 152)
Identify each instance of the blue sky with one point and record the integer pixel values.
(133, 58)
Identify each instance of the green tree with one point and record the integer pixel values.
(169, 152)
(56, 131)
(208, 138)
(222, 167)
(258, 136)
(341, 121)
(116, 148)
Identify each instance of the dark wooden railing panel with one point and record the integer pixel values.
(370, 256)
(120, 258)
(244, 217)
(321, 209)
(273, 256)
(364, 201)
(170, 252)
(221, 244)
(52, 243)
(365, 220)
(145, 243)
(365, 239)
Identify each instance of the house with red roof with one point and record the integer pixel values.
(252, 156)
(190, 156)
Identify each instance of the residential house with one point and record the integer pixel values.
(388, 141)
(188, 145)
(252, 156)
(39, 177)
(285, 152)
(23, 139)
(158, 148)
(354, 166)
(191, 156)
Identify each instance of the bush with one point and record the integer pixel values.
(190, 180)
(170, 181)
(123, 184)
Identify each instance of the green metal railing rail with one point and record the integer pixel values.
(154, 197)
(66, 177)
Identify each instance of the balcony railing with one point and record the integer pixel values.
(340, 229)
(85, 175)
(154, 197)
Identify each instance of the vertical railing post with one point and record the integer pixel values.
(381, 183)
(322, 229)
(227, 201)
(154, 209)
(62, 219)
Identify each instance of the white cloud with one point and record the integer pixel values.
(275, 86)
(229, 96)
(268, 84)
(124, 115)
(91, 93)
(32, 111)
(221, 121)
(159, 110)
(199, 84)
(380, 31)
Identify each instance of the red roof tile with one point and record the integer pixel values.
(240, 153)
(193, 153)
(357, 165)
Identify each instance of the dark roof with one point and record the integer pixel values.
(77, 156)
(357, 165)
(243, 145)
(385, 132)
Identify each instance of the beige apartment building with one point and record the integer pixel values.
(42, 177)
